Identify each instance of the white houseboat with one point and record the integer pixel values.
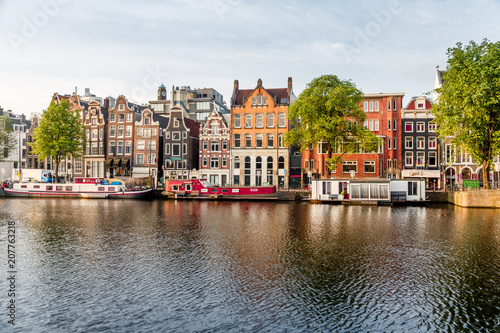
(88, 188)
(368, 191)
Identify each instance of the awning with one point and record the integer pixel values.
(109, 162)
(125, 162)
(175, 158)
(118, 162)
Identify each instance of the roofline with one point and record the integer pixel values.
(384, 94)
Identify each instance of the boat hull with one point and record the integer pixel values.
(78, 195)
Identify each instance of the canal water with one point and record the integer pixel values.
(201, 266)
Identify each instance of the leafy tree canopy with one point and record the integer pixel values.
(8, 140)
(468, 108)
(328, 111)
(59, 133)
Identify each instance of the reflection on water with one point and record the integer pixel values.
(142, 266)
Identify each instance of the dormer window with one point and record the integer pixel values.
(121, 107)
(176, 122)
(146, 121)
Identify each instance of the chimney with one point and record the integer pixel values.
(106, 103)
(23, 118)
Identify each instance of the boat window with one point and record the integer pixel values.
(24, 186)
(188, 187)
(175, 187)
(111, 188)
(235, 190)
(59, 188)
(214, 190)
(36, 186)
(49, 188)
(69, 188)
(100, 188)
(254, 190)
(225, 190)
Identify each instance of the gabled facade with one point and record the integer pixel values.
(420, 143)
(259, 121)
(148, 146)
(121, 120)
(95, 123)
(215, 157)
(181, 149)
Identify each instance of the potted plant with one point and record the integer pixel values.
(341, 196)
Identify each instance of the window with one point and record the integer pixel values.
(167, 135)
(408, 142)
(369, 166)
(258, 163)
(270, 120)
(420, 127)
(394, 146)
(224, 145)
(139, 158)
(205, 145)
(112, 147)
(281, 120)
(112, 130)
(259, 120)
(258, 141)
(248, 120)
(184, 135)
(408, 127)
(270, 140)
(371, 106)
(214, 146)
(248, 140)
(120, 131)
(237, 121)
(370, 127)
(420, 142)
(412, 188)
(388, 125)
(128, 131)
(224, 162)
(376, 106)
(420, 159)
(204, 162)
(152, 144)
(432, 158)
(388, 143)
(176, 136)
(128, 147)
(394, 104)
(236, 162)
(112, 117)
(432, 127)
(78, 166)
(121, 107)
(215, 130)
(120, 148)
(366, 106)
(184, 148)
(129, 117)
(376, 125)
(167, 149)
(146, 121)
(176, 149)
(394, 125)
(214, 163)
(281, 162)
(348, 166)
(432, 142)
(389, 105)
(322, 148)
(176, 122)
(121, 117)
(270, 163)
(140, 145)
(146, 132)
(408, 158)
(237, 143)
(94, 134)
(139, 131)
(281, 141)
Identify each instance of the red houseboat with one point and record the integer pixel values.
(191, 188)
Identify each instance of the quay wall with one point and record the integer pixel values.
(475, 199)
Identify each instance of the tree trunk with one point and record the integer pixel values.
(55, 171)
(486, 175)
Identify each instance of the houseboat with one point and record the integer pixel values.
(201, 188)
(88, 188)
(369, 191)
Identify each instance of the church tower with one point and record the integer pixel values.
(162, 93)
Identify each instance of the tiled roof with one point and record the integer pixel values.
(280, 95)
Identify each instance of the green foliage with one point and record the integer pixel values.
(469, 102)
(60, 133)
(8, 140)
(328, 111)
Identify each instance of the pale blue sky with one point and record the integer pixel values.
(129, 47)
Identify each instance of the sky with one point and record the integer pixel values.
(130, 47)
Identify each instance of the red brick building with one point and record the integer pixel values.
(383, 118)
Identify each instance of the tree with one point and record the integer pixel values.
(328, 111)
(8, 140)
(59, 133)
(468, 108)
